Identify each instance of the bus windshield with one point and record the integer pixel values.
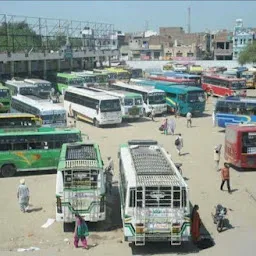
(128, 102)
(59, 118)
(90, 79)
(4, 93)
(76, 81)
(110, 105)
(196, 97)
(249, 142)
(156, 98)
(237, 85)
(101, 79)
(138, 101)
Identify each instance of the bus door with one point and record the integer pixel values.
(181, 100)
(248, 149)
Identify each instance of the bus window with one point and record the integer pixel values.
(128, 102)
(20, 146)
(182, 97)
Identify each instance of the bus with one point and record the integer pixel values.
(135, 72)
(240, 145)
(152, 98)
(89, 79)
(19, 121)
(5, 99)
(80, 184)
(234, 110)
(176, 80)
(53, 115)
(121, 74)
(153, 194)
(195, 69)
(64, 80)
(43, 87)
(90, 105)
(187, 98)
(221, 86)
(131, 103)
(20, 87)
(250, 77)
(195, 78)
(33, 150)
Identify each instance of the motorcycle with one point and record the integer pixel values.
(219, 217)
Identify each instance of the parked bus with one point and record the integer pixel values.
(53, 115)
(80, 184)
(121, 74)
(19, 121)
(250, 77)
(240, 145)
(64, 80)
(5, 99)
(135, 72)
(176, 80)
(195, 69)
(187, 98)
(223, 86)
(131, 103)
(20, 87)
(152, 98)
(195, 78)
(89, 79)
(234, 110)
(43, 87)
(95, 107)
(153, 194)
(33, 150)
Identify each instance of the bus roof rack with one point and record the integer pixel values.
(142, 142)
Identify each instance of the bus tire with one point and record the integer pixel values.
(144, 113)
(97, 123)
(8, 170)
(67, 227)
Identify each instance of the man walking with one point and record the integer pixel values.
(179, 143)
(153, 114)
(216, 156)
(189, 120)
(23, 196)
(225, 177)
(109, 175)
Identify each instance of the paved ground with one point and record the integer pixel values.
(23, 230)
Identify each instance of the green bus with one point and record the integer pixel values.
(80, 184)
(33, 150)
(66, 79)
(5, 99)
(187, 98)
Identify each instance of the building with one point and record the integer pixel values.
(223, 45)
(241, 38)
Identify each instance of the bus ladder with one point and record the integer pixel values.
(139, 227)
(176, 236)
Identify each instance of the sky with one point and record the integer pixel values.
(131, 16)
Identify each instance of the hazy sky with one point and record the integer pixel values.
(131, 16)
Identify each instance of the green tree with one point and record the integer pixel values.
(248, 55)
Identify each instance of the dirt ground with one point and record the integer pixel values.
(20, 230)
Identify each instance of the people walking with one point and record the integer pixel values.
(164, 126)
(109, 175)
(177, 110)
(195, 224)
(225, 177)
(171, 126)
(189, 119)
(81, 232)
(153, 112)
(179, 143)
(57, 97)
(216, 156)
(23, 196)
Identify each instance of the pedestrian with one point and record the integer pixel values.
(195, 224)
(57, 97)
(225, 177)
(177, 110)
(189, 120)
(171, 126)
(109, 175)
(179, 143)
(75, 123)
(216, 156)
(165, 126)
(153, 112)
(81, 232)
(23, 196)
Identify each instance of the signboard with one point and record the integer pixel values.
(68, 53)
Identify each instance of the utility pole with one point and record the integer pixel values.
(189, 28)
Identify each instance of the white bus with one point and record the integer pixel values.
(152, 98)
(90, 105)
(154, 196)
(89, 78)
(43, 87)
(131, 103)
(80, 184)
(52, 115)
(20, 87)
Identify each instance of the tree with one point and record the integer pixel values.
(248, 55)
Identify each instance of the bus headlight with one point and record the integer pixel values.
(102, 204)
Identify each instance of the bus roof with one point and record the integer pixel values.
(89, 92)
(66, 75)
(19, 84)
(36, 81)
(231, 79)
(179, 88)
(239, 99)
(80, 154)
(13, 115)
(42, 105)
(242, 127)
(120, 92)
(147, 163)
(146, 89)
(83, 74)
(40, 131)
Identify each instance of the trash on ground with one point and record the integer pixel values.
(48, 223)
(28, 249)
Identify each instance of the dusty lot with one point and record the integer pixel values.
(24, 230)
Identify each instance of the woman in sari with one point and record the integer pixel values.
(81, 232)
(195, 224)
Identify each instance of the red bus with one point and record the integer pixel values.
(240, 145)
(172, 80)
(223, 86)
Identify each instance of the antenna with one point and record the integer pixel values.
(189, 20)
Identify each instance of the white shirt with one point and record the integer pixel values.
(189, 116)
(111, 164)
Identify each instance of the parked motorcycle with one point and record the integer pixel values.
(219, 217)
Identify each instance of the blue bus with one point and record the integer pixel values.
(234, 110)
(187, 98)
